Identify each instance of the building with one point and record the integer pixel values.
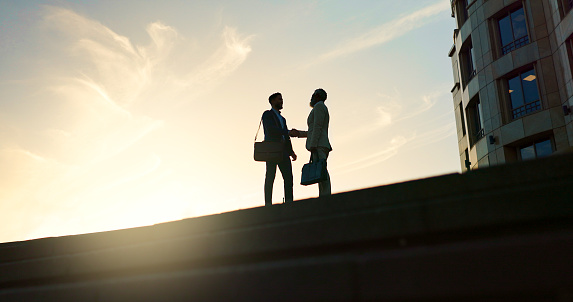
(512, 62)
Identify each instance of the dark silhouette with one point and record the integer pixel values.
(317, 135)
(276, 130)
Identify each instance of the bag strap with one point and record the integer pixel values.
(276, 118)
(258, 129)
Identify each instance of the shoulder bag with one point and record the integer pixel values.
(268, 151)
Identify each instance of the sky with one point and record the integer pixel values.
(118, 114)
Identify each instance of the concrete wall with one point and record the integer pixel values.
(503, 233)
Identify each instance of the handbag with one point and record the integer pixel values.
(268, 151)
(313, 172)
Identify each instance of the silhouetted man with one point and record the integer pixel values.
(276, 130)
(317, 135)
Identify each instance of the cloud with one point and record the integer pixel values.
(384, 116)
(114, 64)
(387, 32)
(427, 102)
(435, 133)
(223, 62)
(391, 125)
(125, 71)
(390, 113)
(84, 142)
(396, 143)
(424, 137)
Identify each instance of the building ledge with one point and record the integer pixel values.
(451, 235)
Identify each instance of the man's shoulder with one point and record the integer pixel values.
(269, 115)
(320, 106)
(267, 112)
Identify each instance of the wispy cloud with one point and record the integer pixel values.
(396, 144)
(390, 113)
(232, 53)
(428, 101)
(102, 88)
(391, 125)
(115, 65)
(435, 133)
(388, 31)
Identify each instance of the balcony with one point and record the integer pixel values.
(515, 44)
(526, 109)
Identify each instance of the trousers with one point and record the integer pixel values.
(285, 167)
(323, 186)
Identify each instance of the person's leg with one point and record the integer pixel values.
(324, 186)
(269, 181)
(286, 170)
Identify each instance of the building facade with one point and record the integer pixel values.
(513, 91)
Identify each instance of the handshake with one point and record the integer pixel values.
(297, 133)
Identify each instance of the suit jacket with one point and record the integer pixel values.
(274, 132)
(317, 121)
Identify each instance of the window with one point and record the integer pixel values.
(468, 62)
(513, 31)
(462, 12)
(565, 6)
(471, 62)
(536, 150)
(475, 120)
(569, 47)
(524, 94)
(462, 119)
(467, 162)
(467, 5)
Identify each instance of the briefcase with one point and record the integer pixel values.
(313, 172)
(269, 151)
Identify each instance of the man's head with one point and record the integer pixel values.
(276, 100)
(319, 95)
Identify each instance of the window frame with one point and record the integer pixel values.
(467, 162)
(507, 13)
(569, 48)
(471, 62)
(564, 7)
(462, 14)
(474, 114)
(468, 68)
(510, 110)
(462, 118)
(534, 143)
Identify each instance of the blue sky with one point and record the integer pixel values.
(117, 114)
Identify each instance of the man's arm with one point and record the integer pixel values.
(301, 133)
(291, 150)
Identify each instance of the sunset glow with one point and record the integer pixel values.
(122, 115)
